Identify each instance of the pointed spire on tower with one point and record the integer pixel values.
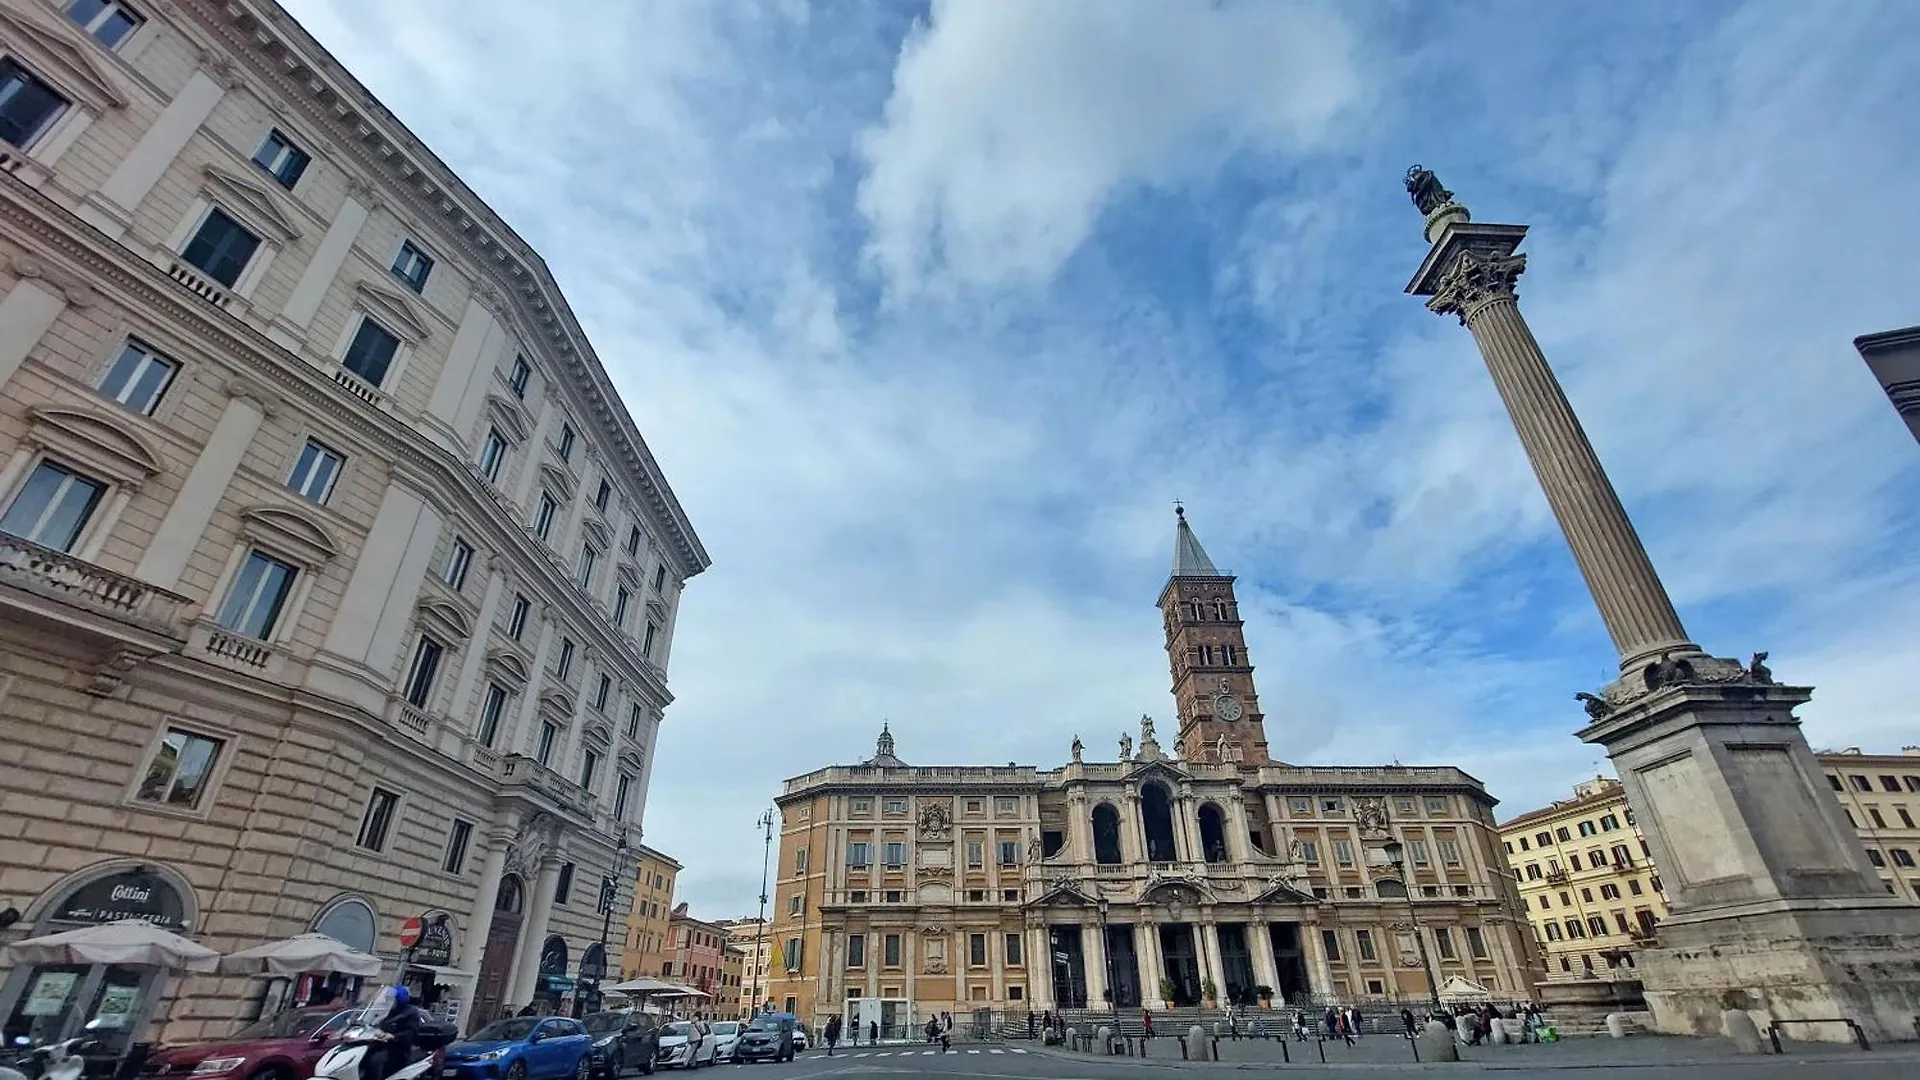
(1189, 558)
(883, 750)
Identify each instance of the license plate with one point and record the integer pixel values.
(449, 1072)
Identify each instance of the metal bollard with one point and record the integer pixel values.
(1322, 1044)
(1284, 1055)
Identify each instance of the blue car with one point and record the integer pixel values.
(522, 1048)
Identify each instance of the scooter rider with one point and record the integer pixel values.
(402, 1027)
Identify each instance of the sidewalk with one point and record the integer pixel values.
(1387, 1051)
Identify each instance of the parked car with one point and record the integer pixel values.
(800, 1039)
(285, 1047)
(622, 1041)
(522, 1048)
(673, 1047)
(726, 1036)
(768, 1037)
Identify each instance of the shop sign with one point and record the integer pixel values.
(136, 894)
(435, 947)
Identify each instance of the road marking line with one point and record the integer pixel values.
(973, 1051)
(996, 1051)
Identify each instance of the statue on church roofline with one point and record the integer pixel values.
(1077, 748)
(1126, 747)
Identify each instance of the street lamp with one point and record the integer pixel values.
(1395, 853)
(765, 821)
(1106, 954)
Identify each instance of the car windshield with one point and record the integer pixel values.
(297, 1024)
(764, 1025)
(606, 1023)
(680, 1027)
(512, 1029)
(727, 1027)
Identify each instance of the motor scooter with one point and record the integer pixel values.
(57, 1061)
(348, 1054)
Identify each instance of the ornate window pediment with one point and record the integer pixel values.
(629, 575)
(290, 533)
(558, 480)
(596, 534)
(95, 442)
(632, 762)
(657, 608)
(98, 87)
(558, 701)
(511, 416)
(600, 735)
(252, 203)
(506, 666)
(394, 311)
(447, 620)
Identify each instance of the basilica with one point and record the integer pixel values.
(1207, 873)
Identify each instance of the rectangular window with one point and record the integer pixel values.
(976, 950)
(566, 442)
(603, 691)
(371, 352)
(138, 379)
(856, 950)
(109, 21)
(517, 621)
(1343, 852)
(493, 709)
(660, 577)
(603, 495)
(646, 643)
(1901, 857)
(1861, 783)
(543, 516)
(862, 806)
(543, 750)
(382, 805)
(1330, 944)
(896, 855)
(622, 791)
(1363, 940)
(282, 160)
(412, 266)
(1477, 942)
(589, 765)
(565, 888)
(800, 861)
(1596, 926)
(518, 377)
(180, 770)
(791, 955)
(459, 560)
(1443, 941)
(53, 507)
(1879, 822)
(426, 666)
(1009, 852)
(859, 854)
(1418, 850)
(1562, 834)
(315, 472)
(1436, 805)
(1015, 950)
(633, 721)
(222, 248)
(1309, 852)
(633, 540)
(1449, 852)
(27, 105)
(257, 596)
(890, 950)
(564, 665)
(583, 573)
(458, 837)
(1330, 806)
(493, 455)
(1005, 807)
(1906, 819)
(621, 598)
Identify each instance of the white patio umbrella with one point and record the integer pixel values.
(300, 954)
(641, 985)
(133, 942)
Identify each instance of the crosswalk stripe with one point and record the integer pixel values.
(996, 1051)
(1017, 1050)
(973, 1051)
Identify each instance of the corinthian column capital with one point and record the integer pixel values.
(1476, 278)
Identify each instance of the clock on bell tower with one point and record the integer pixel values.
(1220, 719)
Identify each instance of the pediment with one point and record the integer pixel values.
(1065, 894)
(1159, 770)
(95, 441)
(1284, 892)
(393, 310)
(631, 760)
(600, 735)
(657, 608)
(559, 701)
(291, 533)
(596, 534)
(629, 575)
(251, 202)
(507, 666)
(444, 617)
(72, 69)
(558, 480)
(512, 417)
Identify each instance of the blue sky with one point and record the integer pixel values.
(932, 311)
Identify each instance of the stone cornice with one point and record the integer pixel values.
(57, 237)
(285, 56)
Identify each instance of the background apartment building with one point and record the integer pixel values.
(1592, 893)
(752, 937)
(647, 944)
(337, 585)
(698, 959)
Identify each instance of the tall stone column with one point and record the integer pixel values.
(493, 868)
(1153, 965)
(1259, 941)
(1093, 951)
(1775, 906)
(533, 933)
(1319, 968)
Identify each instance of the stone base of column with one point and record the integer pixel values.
(1790, 961)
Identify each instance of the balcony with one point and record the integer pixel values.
(359, 387)
(1558, 877)
(413, 720)
(58, 587)
(17, 164)
(238, 652)
(199, 284)
(521, 775)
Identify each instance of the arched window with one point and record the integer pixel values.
(511, 897)
(1156, 814)
(1389, 889)
(1213, 834)
(1106, 835)
(1195, 609)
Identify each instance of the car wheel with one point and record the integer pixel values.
(646, 1066)
(270, 1072)
(517, 1071)
(584, 1070)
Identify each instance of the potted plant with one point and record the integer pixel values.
(1265, 994)
(1166, 991)
(1211, 992)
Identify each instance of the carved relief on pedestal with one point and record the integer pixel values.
(1370, 813)
(935, 823)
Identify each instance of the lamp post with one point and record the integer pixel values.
(1395, 852)
(609, 897)
(1106, 954)
(765, 821)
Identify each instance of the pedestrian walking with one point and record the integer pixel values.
(873, 1032)
(832, 1033)
(1146, 1022)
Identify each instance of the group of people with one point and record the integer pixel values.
(834, 1030)
(1473, 1024)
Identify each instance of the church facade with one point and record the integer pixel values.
(1208, 874)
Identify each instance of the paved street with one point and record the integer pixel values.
(1648, 1059)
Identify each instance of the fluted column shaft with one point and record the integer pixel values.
(1632, 601)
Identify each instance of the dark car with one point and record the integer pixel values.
(622, 1041)
(285, 1046)
(767, 1038)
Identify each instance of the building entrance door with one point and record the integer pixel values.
(1289, 962)
(496, 965)
(1182, 964)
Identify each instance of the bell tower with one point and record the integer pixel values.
(1220, 717)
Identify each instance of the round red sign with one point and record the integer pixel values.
(410, 933)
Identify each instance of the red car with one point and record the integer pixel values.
(283, 1047)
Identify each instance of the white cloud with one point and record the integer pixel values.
(1013, 125)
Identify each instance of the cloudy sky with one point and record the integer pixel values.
(931, 312)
